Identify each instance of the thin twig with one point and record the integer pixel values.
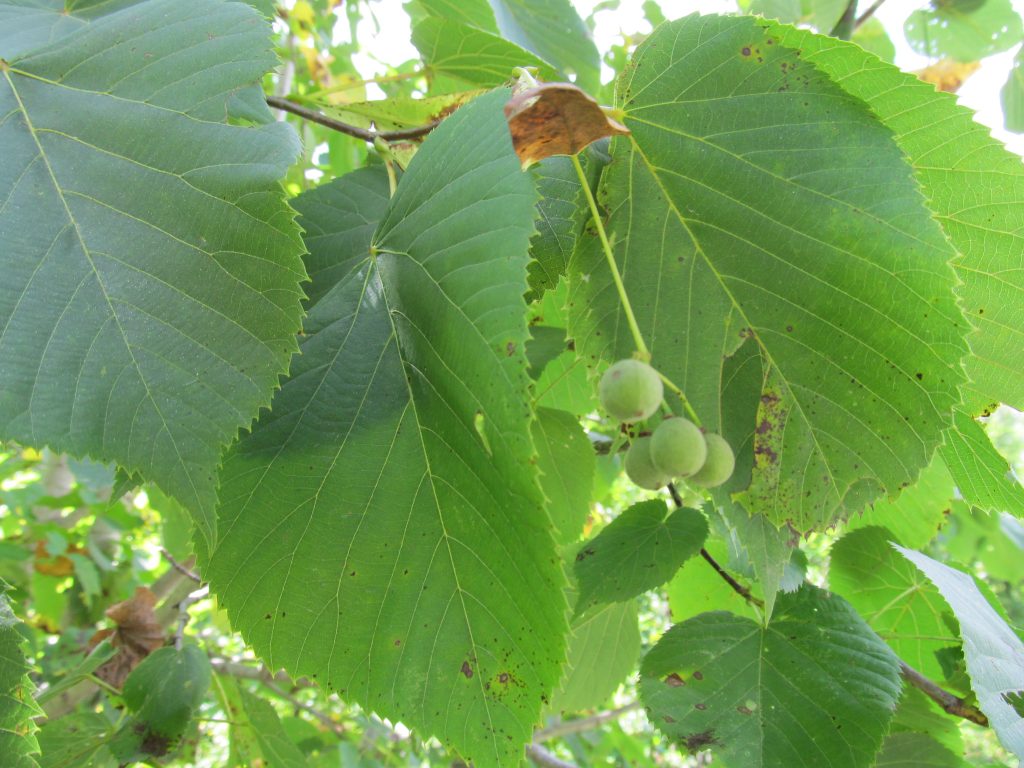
(540, 756)
(844, 27)
(868, 13)
(327, 720)
(738, 588)
(950, 704)
(566, 727)
(263, 676)
(352, 130)
(180, 567)
(183, 616)
(250, 672)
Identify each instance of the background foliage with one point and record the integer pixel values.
(423, 550)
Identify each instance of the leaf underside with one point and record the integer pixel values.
(151, 267)
(383, 525)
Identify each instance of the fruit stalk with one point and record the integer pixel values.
(620, 287)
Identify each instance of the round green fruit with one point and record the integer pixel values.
(719, 464)
(630, 391)
(678, 447)
(639, 467)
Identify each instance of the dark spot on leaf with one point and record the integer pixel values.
(697, 741)
(510, 348)
(701, 706)
(503, 677)
(669, 719)
(584, 554)
(674, 680)
(919, 376)
(155, 744)
(467, 670)
(744, 710)
(698, 676)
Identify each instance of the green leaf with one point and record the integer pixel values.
(557, 225)
(552, 29)
(151, 270)
(900, 750)
(996, 541)
(373, 539)
(257, 736)
(895, 599)
(964, 30)
(821, 14)
(1012, 95)
(769, 549)
(475, 13)
(747, 174)
(815, 687)
(18, 742)
(917, 713)
(29, 24)
(973, 185)
(981, 474)
(565, 458)
(786, 11)
(603, 650)
(917, 514)
(98, 656)
(459, 55)
(994, 653)
(78, 740)
(639, 550)
(873, 38)
(555, 32)
(162, 692)
(339, 220)
(399, 111)
(565, 384)
(545, 344)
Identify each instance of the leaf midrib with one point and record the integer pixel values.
(388, 305)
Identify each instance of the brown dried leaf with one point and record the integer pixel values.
(948, 75)
(556, 119)
(60, 565)
(136, 636)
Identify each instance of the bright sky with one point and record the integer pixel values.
(981, 91)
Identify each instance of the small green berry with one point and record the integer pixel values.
(719, 464)
(639, 467)
(630, 391)
(678, 447)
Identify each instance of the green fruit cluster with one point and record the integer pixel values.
(631, 391)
